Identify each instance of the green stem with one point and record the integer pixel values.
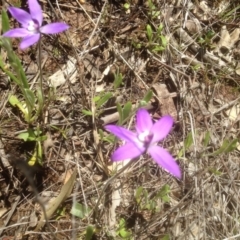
(40, 93)
(40, 68)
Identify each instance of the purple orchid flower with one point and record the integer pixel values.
(32, 25)
(144, 140)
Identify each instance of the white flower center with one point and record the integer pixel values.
(145, 137)
(32, 26)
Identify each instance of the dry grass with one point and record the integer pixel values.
(202, 86)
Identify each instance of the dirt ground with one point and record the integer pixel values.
(191, 65)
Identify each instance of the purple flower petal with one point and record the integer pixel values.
(20, 15)
(122, 133)
(128, 151)
(162, 128)
(29, 40)
(54, 28)
(165, 160)
(35, 11)
(17, 32)
(144, 121)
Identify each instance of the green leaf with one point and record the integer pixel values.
(31, 135)
(231, 146)
(24, 136)
(13, 100)
(39, 153)
(227, 146)
(122, 223)
(30, 103)
(147, 97)
(110, 138)
(89, 232)
(127, 110)
(159, 30)
(151, 205)
(201, 40)
(21, 74)
(87, 112)
(164, 193)
(96, 98)
(149, 33)
(61, 212)
(215, 172)
(41, 138)
(151, 5)
(104, 99)
(230, 13)
(155, 14)
(101, 134)
(126, 6)
(158, 49)
(124, 233)
(137, 45)
(10, 74)
(29, 97)
(17, 66)
(142, 198)
(5, 21)
(138, 194)
(40, 99)
(163, 41)
(145, 194)
(118, 80)
(58, 129)
(188, 141)
(206, 139)
(32, 161)
(166, 237)
(210, 34)
(196, 67)
(79, 210)
(187, 144)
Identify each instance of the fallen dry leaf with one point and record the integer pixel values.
(167, 103)
(234, 113)
(60, 77)
(55, 203)
(33, 219)
(2, 211)
(227, 40)
(237, 70)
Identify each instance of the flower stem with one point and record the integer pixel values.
(40, 92)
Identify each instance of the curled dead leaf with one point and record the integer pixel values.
(55, 203)
(193, 26)
(234, 113)
(68, 70)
